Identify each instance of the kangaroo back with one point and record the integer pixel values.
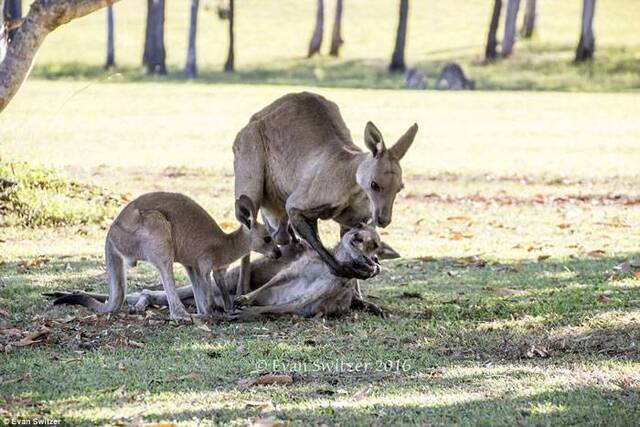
(452, 78)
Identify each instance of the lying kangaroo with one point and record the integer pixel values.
(452, 78)
(308, 287)
(262, 270)
(295, 159)
(163, 228)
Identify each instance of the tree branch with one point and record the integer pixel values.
(44, 16)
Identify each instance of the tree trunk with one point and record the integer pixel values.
(530, 18)
(44, 16)
(191, 68)
(336, 36)
(229, 66)
(111, 50)
(154, 53)
(490, 53)
(12, 10)
(511, 19)
(397, 59)
(587, 44)
(4, 33)
(316, 38)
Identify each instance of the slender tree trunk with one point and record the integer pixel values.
(397, 59)
(336, 36)
(491, 53)
(530, 18)
(4, 33)
(510, 22)
(44, 16)
(154, 52)
(191, 68)
(316, 37)
(587, 44)
(111, 50)
(229, 66)
(12, 10)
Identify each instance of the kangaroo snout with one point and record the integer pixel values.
(383, 221)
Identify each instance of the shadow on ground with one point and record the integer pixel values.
(532, 68)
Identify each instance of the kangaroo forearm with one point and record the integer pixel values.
(306, 229)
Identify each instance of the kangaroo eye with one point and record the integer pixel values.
(268, 239)
(374, 186)
(356, 239)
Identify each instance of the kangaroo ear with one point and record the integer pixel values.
(400, 148)
(245, 211)
(373, 139)
(387, 252)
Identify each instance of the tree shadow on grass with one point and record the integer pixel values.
(452, 321)
(534, 68)
(574, 406)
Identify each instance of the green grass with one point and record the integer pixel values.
(35, 197)
(503, 191)
(272, 37)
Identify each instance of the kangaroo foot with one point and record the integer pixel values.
(359, 303)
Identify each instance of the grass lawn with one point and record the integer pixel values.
(505, 307)
(272, 38)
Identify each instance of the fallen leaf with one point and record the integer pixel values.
(125, 197)
(273, 379)
(637, 274)
(603, 299)
(598, 253)
(265, 406)
(537, 351)
(455, 236)
(33, 338)
(191, 376)
(417, 295)
(543, 257)
(265, 422)
(503, 291)
(474, 261)
(204, 327)
(461, 218)
(564, 225)
(427, 258)
(135, 344)
(68, 318)
(360, 394)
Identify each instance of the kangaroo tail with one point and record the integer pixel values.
(117, 287)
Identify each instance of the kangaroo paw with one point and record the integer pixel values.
(368, 306)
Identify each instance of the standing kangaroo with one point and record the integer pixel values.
(296, 161)
(163, 228)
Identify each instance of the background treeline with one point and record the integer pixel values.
(355, 42)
